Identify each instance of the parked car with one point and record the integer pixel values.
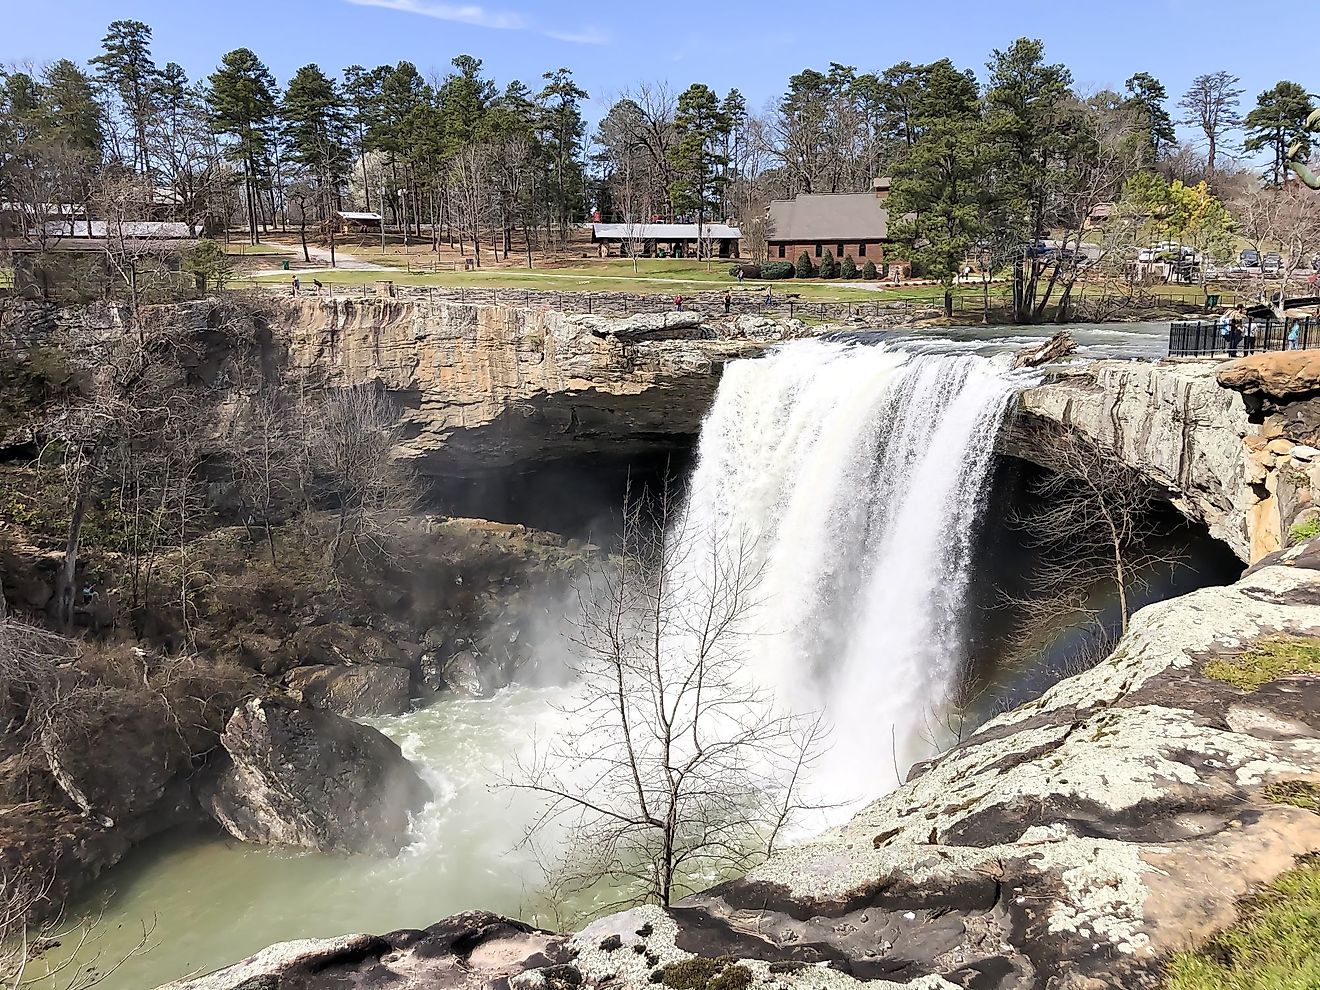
(1249, 259)
(1038, 250)
(1271, 264)
(1315, 263)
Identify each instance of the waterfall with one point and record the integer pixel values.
(858, 472)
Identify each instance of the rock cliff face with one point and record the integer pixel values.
(489, 387)
(1243, 470)
(1071, 843)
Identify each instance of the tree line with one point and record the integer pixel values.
(979, 169)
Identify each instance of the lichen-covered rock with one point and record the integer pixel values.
(300, 777)
(361, 691)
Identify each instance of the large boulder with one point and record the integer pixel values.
(334, 643)
(1280, 375)
(361, 691)
(296, 776)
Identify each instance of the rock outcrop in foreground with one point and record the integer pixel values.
(1069, 844)
(300, 777)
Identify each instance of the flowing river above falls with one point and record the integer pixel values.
(865, 470)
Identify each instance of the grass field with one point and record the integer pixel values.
(654, 277)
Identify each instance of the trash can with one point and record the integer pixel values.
(285, 264)
(1211, 300)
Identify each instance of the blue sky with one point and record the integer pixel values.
(754, 46)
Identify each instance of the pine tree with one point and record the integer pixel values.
(1278, 121)
(242, 99)
(697, 158)
(869, 272)
(1148, 95)
(126, 69)
(828, 269)
(849, 269)
(316, 130)
(805, 269)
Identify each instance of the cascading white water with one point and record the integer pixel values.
(858, 473)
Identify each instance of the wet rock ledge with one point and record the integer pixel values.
(1070, 844)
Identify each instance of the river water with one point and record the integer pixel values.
(862, 470)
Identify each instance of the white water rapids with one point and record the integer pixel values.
(859, 472)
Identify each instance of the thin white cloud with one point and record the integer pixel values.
(478, 16)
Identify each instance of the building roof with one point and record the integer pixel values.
(829, 217)
(662, 232)
(97, 244)
(137, 229)
(348, 215)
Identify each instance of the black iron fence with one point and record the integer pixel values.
(1205, 338)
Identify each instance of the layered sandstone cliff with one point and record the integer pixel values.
(1204, 432)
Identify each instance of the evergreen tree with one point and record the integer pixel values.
(242, 100)
(1148, 95)
(805, 269)
(1279, 120)
(828, 269)
(562, 132)
(362, 93)
(869, 271)
(849, 268)
(125, 68)
(316, 131)
(1028, 106)
(697, 158)
(939, 189)
(72, 114)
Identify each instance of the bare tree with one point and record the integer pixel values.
(674, 767)
(1285, 220)
(1211, 106)
(1093, 526)
(352, 444)
(469, 171)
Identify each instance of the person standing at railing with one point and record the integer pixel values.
(1295, 336)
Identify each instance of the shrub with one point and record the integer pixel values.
(748, 271)
(777, 270)
(849, 269)
(805, 269)
(828, 267)
(1303, 531)
(869, 271)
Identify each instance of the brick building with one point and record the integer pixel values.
(844, 224)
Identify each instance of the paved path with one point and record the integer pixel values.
(344, 261)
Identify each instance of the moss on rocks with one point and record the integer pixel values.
(1267, 661)
(1298, 793)
(700, 973)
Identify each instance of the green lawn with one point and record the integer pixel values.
(610, 278)
(258, 250)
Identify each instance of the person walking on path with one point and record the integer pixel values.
(316, 284)
(678, 304)
(1295, 336)
(728, 302)
(297, 285)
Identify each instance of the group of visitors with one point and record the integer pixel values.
(1239, 331)
(297, 286)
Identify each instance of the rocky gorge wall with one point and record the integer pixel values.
(488, 387)
(1226, 456)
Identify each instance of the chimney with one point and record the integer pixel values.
(881, 184)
